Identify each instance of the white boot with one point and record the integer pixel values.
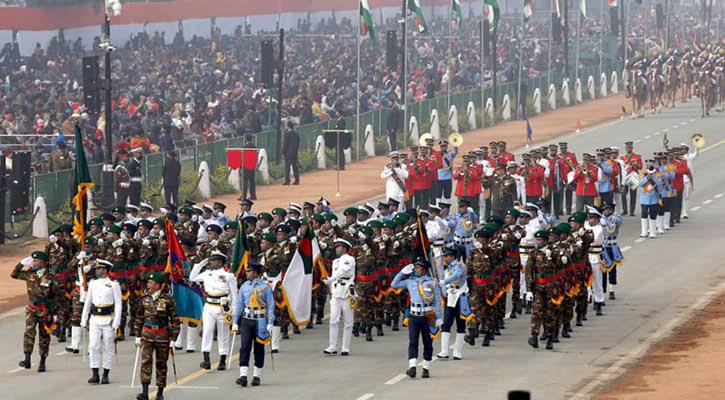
(243, 371)
(666, 222)
(445, 343)
(276, 332)
(458, 347)
(190, 338)
(257, 372)
(334, 331)
(652, 228)
(660, 224)
(346, 339)
(644, 223)
(413, 362)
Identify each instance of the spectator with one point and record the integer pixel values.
(172, 178)
(290, 152)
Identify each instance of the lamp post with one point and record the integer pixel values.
(113, 8)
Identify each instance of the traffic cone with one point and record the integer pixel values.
(578, 126)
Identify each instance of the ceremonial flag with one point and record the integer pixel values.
(297, 282)
(319, 270)
(529, 131)
(612, 3)
(414, 6)
(456, 7)
(528, 9)
(583, 8)
(493, 12)
(241, 250)
(188, 299)
(366, 22)
(81, 184)
(421, 247)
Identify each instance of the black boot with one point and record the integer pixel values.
(320, 315)
(395, 325)
(26, 362)
(285, 332)
(144, 395)
(104, 379)
(310, 325)
(242, 380)
(132, 331)
(41, 365)
(579, 320)
(379, 329)
(471, 337)
(534, 341)
(543, 336)
(550, 343)
(369, 333)
(206, 364)
(529, 306)
(296, 329)
(122, 335)
(94, 379)
(256, 381)
(222, 363)
(61, 337)
(160, 393)
(425, 374)
(598, 308)
(513, 313)
(520, 308)
(386, 319)
(411, 372)
(486, 340)
(565, 332)
(496, 331)
(584, 316)
(555, 337)
(356, 329)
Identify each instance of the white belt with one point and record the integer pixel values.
(137, 179)
(460, 239)
(255, 312)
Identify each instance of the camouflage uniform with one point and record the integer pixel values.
(319, 291)
(188, 230)
(365, 284)
(541, 274)
(158, 325)
(124, 259)
(400, 256)
(46, 296)
(60, 255)
(483, 291)
(567, 282)
(277, 261)
(513, 233)
(382, 260)
(582, 270)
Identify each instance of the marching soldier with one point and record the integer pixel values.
(633, 165)
(483, 290)
(366, 284)
(426, 313)
(607, 170)
(45, 296)
(503, 190)
(341, 281)
(649, 199)
(81, 263)
(581, 239)
(455, 284)
(158, 326)
(465, 222)
(276, 262)
(253, 318)
(102, 313)
(60, 253)
(220, 288)
(511, 235)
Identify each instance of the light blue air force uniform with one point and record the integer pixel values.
(256, 302)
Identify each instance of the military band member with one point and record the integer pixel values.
(511, 235)
(632, 165)
(159, 326)
(580, 240)
(366, 283)
(586, 176)
(82, 264)
(503, 190)
(534, 176)
(454, 282)
(683, 175)
(425, 319)
(253, 318)
(45, 296)
(689, 157)
(220, 288)
(189, 328)
(649, 199)
(395, 175)
(341, 281)
(102, 315)
(468, 182)
(483, 289)
(444, 175)
(567, 163)
(527, 246)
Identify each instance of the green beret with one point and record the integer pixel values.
(159, 221)
(57, 230)
(389, 223)
(279, 211)
(265, 216)
(482, 233)
(157, 277)
(543, 234)
(350, 211)
(366, 230)
(40, 255)
(513, 212)
(492, 227)
(231, 225)
(119, 209)
(564, 228)
(375, 224)
(402, 218)
(496, 219)
(115, 229)
(90, 240)
(186, 211)
(330, 217)
(269, 237)
(319, 218)
(97, 222)
(577, 217)
(304, 221)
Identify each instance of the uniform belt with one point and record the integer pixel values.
(481, 281)
(216, 300)
(512, 254)
(101, 310)
(342, 281)
(438, 243)
(420, 309)
(254, 313)
(137, 179)
(365, 277)
(454, 287)
(155, 331)
(461, 239)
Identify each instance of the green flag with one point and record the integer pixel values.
(81, 183)
(366, 23)
(414, 6)
(458, 14)
(241, 252)
(493, 12)
(528, 9)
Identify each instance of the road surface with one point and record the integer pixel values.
(661, 281)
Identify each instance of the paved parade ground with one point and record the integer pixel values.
(662, 282)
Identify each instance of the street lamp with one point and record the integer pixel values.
(113, 8)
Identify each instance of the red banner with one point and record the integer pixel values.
(246, 158)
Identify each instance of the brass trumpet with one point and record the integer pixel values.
(698, 141)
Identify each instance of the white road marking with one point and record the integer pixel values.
(647, 137)
(695, 208)
(18, 369)
(719, 195)
(640, 240)
(618, 367)
(625, 249)
(395, 379)
(366, 396)
(178, 387)
(656, 133)
(693, 119)
(665, 130)
(706, 202)
(637, 140)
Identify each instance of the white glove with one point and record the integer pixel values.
(564, 259)
(146, 242)
(138, 341)
(579, 243)
(293, 239)
(351, 230)
(269, 328)
(439, 322)
(323, 246)
(194, 218)
(469, 210)
(171, 344)
(162, 234)
(477, 245)
(82, 254)
(124, 184)
(115, 327)
(408, 269)
(548, 253)
(214, 243)
(333, 222)
(118, 243)
(100, 242)
(53, 239)
(504, 236)
(517, 235)
(361, 235)
(26, 261)
(83, 325)
(396, 244)
(442, 283)
(529, 296)
(235, 328)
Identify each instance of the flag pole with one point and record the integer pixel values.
(483, 62)
(404, 73)
(578, 42)
(357, 100)
(450, 55)
(551, 43)
(519, 105)
(601, 41)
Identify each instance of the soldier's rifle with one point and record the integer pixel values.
(173, 364)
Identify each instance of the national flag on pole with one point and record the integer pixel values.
(241, 250)
(583, 8)
(81, 184)
(297, 282)
(366, 22)
(188, 299)
(414, 6)
(528, 9)
(612, 3)
(493, 12)
(529, 131)
(457, 13)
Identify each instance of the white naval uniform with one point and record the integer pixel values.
(690, 158)
(341, 280)
(595, 254)
(220, 287)
(102, 293)
(392, 189)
